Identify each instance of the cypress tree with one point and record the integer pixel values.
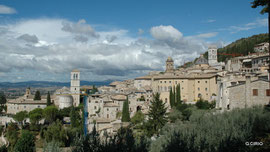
(157, 114)
(174, 95)
(178, 94)
(48, 99)
(172, 102)
(37, 95)
(125, 112)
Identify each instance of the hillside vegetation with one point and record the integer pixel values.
(241, 46)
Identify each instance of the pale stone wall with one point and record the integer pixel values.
(141, 83)
(241, 96)
(13, 108)
(5, 119)
(75, 87)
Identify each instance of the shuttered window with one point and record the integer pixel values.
(255, 92)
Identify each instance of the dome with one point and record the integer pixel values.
(63, 90)
(169, 59)
(65, 101)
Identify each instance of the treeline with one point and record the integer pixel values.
(54, 131)
(211, 132)
(241, 46)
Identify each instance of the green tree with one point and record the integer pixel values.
(172, 99)
(3, 99)
(35, 116)
(37, 95)
(74, 118)
(178, 94)
(137, 118)
(94, 90)
(50, 113)
(157, 114)
(12, 134)
(52, 147)
(211, 132)
(3, 148)
(55, 132)
(49, 99)
(26, 143)
(125, 112)
(20, 117)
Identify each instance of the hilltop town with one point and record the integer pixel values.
(239, 83)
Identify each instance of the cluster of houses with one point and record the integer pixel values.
(241, 82)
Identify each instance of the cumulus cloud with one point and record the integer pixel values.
(165, 33)
(79, 28)
(114, 55)
(29, 38)
(6, 10)
(80, 38)
(111, 38)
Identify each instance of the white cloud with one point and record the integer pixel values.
(165, 33)
(6, 10)
(114, 55)
(206, 35)
(79, 28)
(245, 27)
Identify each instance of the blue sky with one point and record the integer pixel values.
(46, 34)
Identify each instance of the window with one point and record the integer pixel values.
(198, 81)
(175, 82)
(205, 89)
(198, 89)
(38, 106)
(255, 92)
(205, 81)
(107, 115)
(170, 82)
(95, 107)
(107, 109)
(24, 107)
(160, 81)
(166, 100)
(164, 81)
(267, 92)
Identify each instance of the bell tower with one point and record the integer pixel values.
(169, 65)
(212, 55)
(75, 86)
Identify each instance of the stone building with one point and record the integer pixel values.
(169, 65)
(248, 94)
(212, 55)
(25, 103)
(262, 47)
(75, 87)
(196, 82)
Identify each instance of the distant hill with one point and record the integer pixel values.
(49, 84)
(241, 46)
